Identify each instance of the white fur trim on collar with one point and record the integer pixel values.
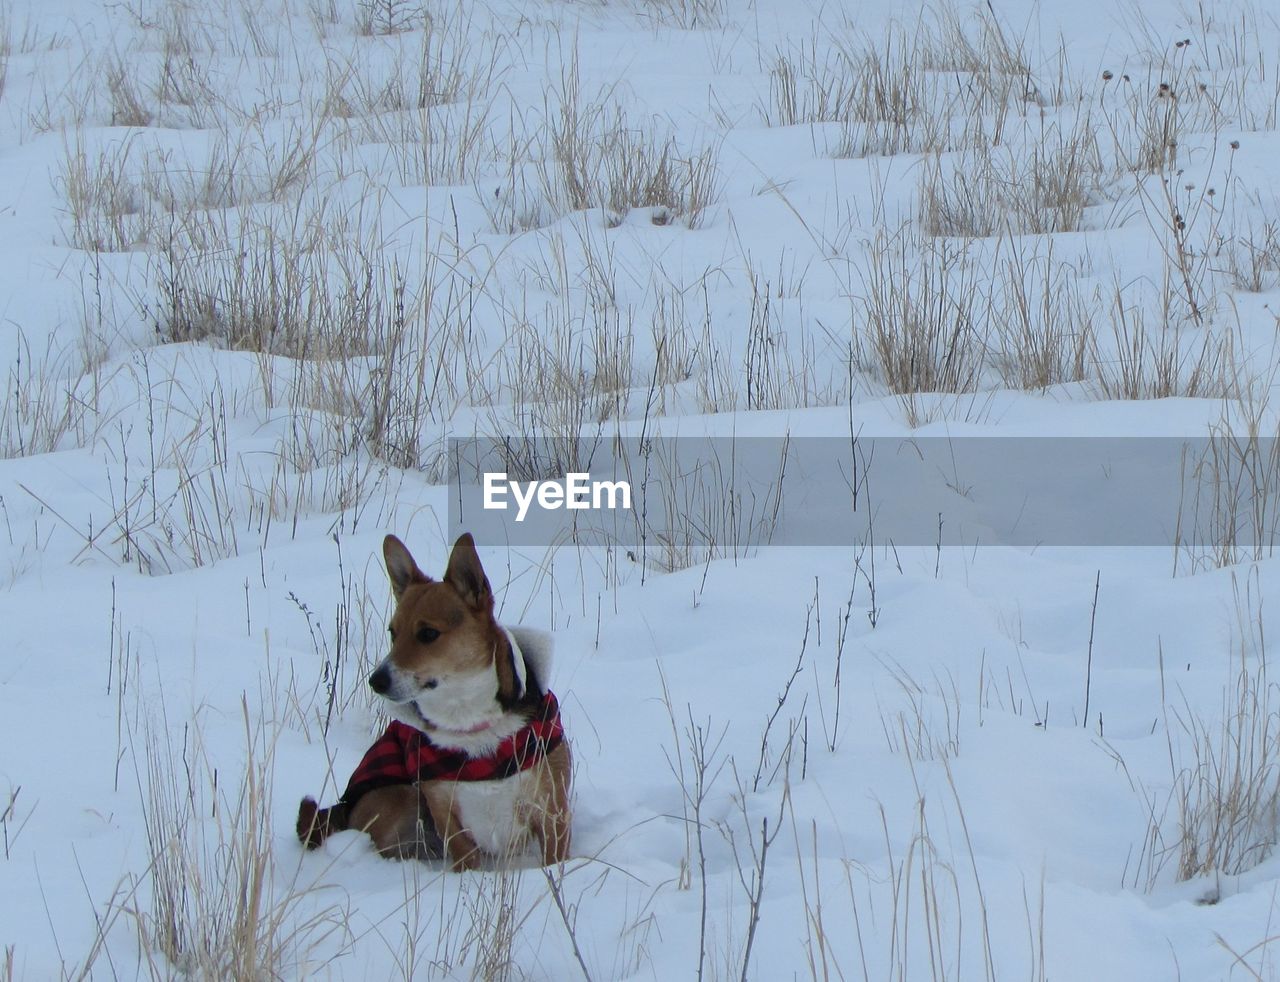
(533, 648)
(517, 663)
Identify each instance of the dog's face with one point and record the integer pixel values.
(451, 667)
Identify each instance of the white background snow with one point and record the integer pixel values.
(259, 259)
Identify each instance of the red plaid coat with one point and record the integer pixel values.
(403, 755)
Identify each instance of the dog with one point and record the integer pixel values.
(475, 762)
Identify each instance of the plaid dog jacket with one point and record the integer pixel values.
(404, 754)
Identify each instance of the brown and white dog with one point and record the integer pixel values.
(476, 762)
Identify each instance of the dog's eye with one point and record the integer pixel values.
(392, 632)
(427, 634)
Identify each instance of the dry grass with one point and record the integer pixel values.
(928, 87)
(811, 85)
(602, 160)
(1147, 128)
(243, 250)
(595, 156)
(1229, 509)
(1040, 183)
(566, 385)
(937, 905)
(43, 407)
(441, 65)
(218, 902)
(1225, 795)
(1044, 321)
(1253, 257)
(929, 726)
(124, 195)
(185, 499)
(1219, 815)
(277, 281)
(127, 104)
(925, 317)
(691, 509)
(690, 15)
(375, 17)
(185, 90)
(6, 46)
(426, 363)
(1216, 77)
(938, 316)
(1153, 355)
(445, 145)
(104, 202)
(1187, 218)
(1229, 798)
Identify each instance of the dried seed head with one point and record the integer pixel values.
(1235, 144)
(1107, 76)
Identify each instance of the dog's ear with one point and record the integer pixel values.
(466, 575)
(400, 566)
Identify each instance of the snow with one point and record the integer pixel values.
(191, 583)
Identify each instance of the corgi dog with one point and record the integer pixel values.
(475, 762)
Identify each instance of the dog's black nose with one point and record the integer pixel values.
(380, 680)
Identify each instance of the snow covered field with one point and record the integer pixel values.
(261, 259)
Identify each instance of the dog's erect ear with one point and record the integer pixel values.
(466, 575)
(400, 566)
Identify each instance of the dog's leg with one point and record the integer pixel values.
(398, 824)
(315, 824)
(459, 843)
(552, 832)
(552, 824)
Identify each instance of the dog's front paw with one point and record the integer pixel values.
(312, 826)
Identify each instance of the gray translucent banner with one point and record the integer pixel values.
(732, 494)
